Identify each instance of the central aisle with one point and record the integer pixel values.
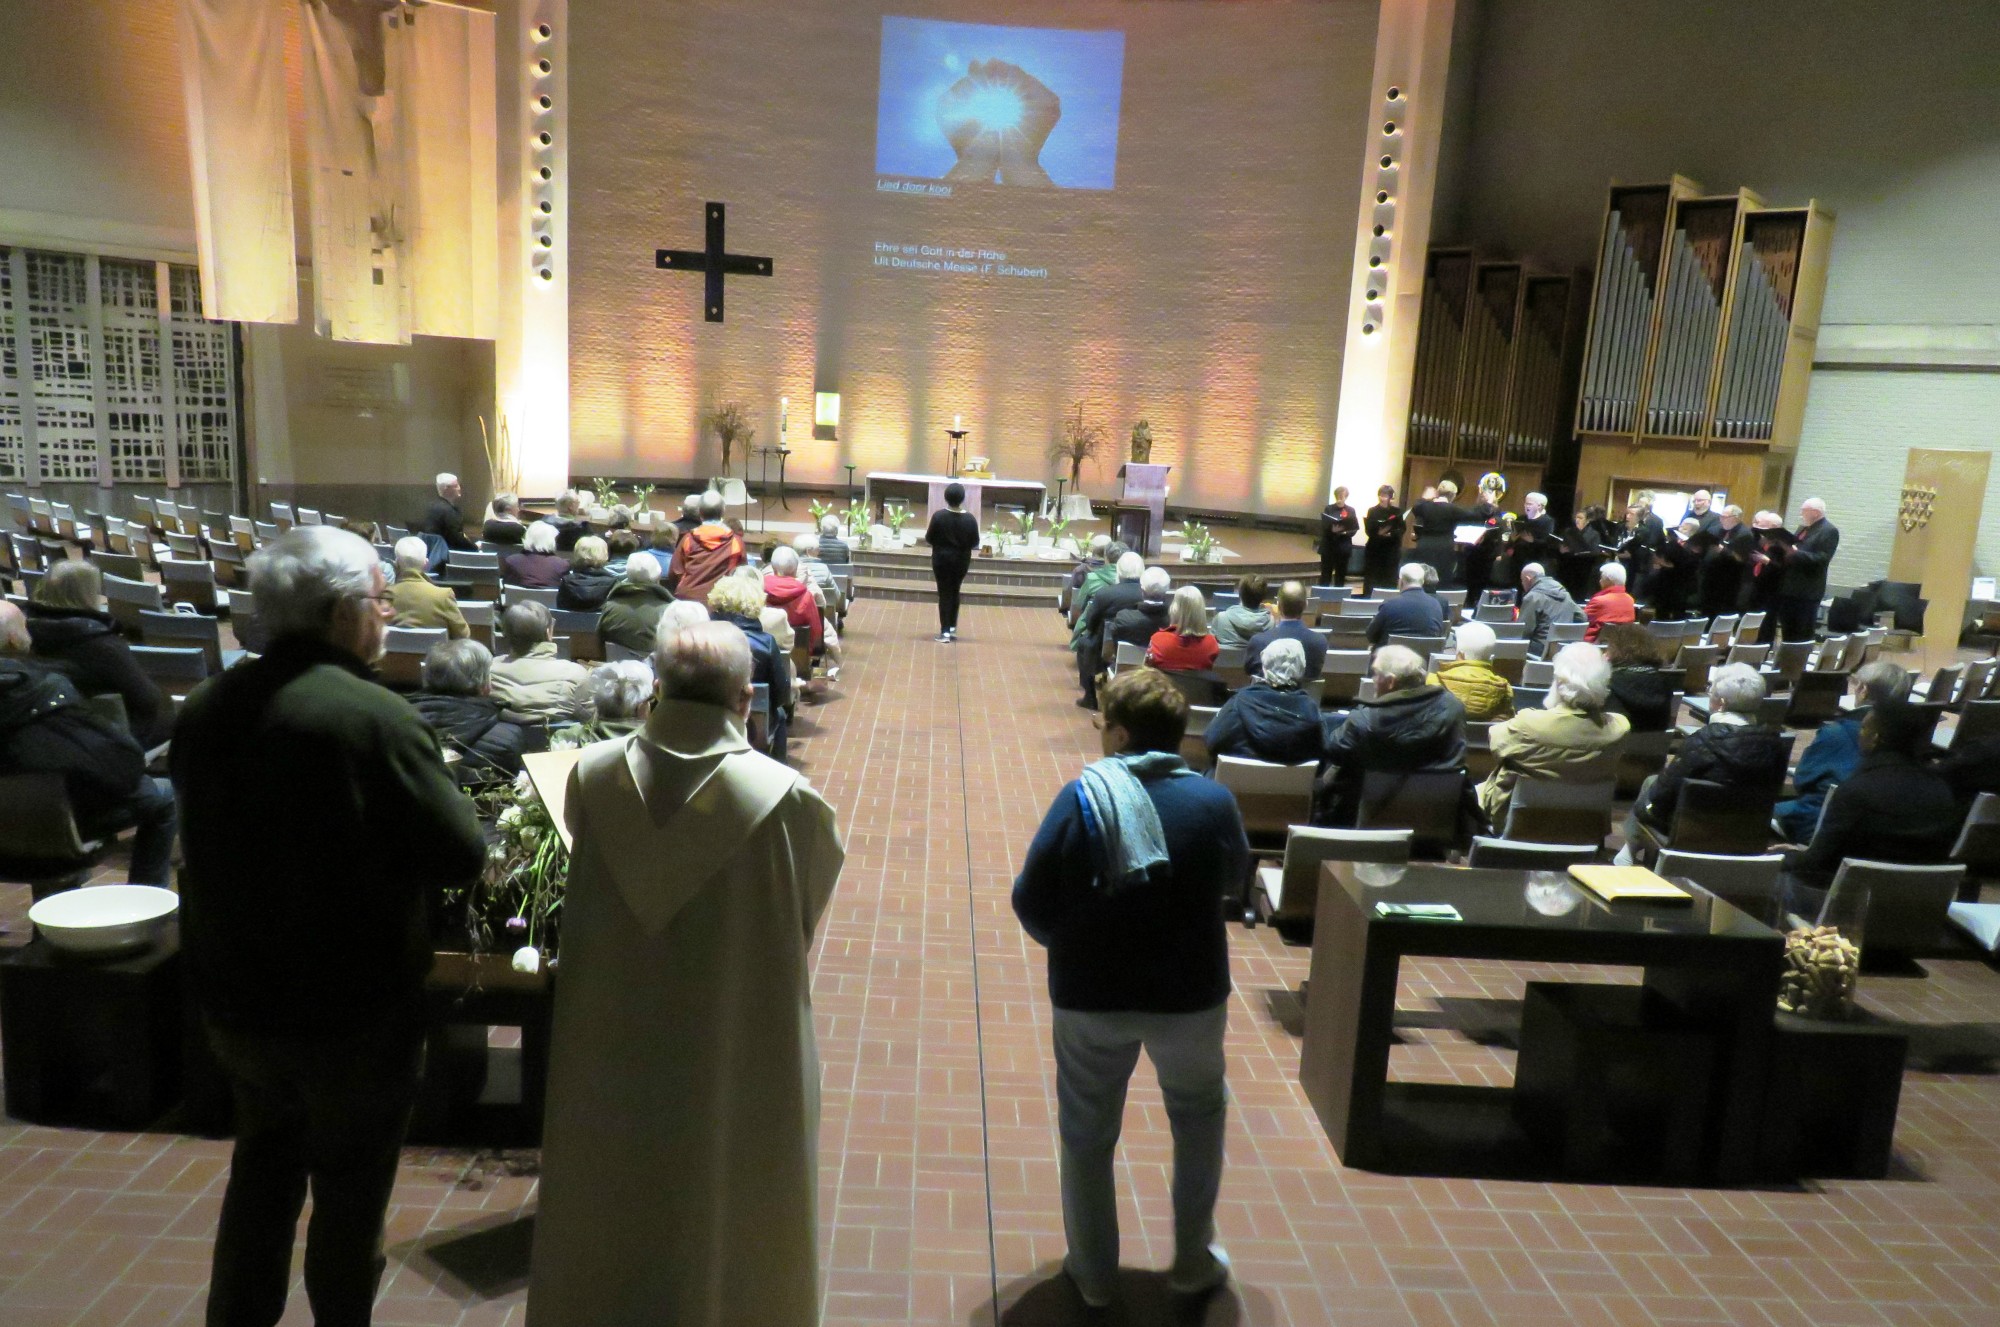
(939, 1173)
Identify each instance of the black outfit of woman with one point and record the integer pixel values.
(1480, 557)
(1673, 583)
(1384, 528)
(952, 536)
(1337, 528)
(1724, 570)
(1582, 555)
(1434, 519)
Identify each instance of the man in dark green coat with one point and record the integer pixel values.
(631, 614)
(320, 826)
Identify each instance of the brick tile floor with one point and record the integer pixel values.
(938, 1156)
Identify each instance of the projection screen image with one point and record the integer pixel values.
(972, 103)
(984, 212)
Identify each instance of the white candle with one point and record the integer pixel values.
(954, 421)
(784, 410)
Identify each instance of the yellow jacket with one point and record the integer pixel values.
(1561, 744)
(418, 603)
(1484, 693)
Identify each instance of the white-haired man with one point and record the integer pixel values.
(685, 980)
(690, 515)
(414, 601)
(1410, 725)
(706, 553)
(1544, 604)
(1611, 604)
(531, 678)
(1701, 508)
(631, 612)
(1806, 563)
(313, 993)
(1413, 611)
(1568, 740)
(444, 518)
(1485, 694)
(833, 549)
(1731, 749)
(1136, 623)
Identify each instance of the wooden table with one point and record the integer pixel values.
(929, 489)
(1708, 966)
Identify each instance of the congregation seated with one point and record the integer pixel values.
(1274, 718)
(816, 573)
(567, 520)
(1250, 616)
(631, 612)
(739, 601)
(587, 583)
(1485, 694)
(621, 694)
(1731, 749)
(1570, 739)
(1639, 690)
(1836, 749)
(457, 704)
(1545, 603)
(706, 553)
(1095, 555)
(620, 543)
(1291, 625)
(1184, 645)
(1136, 623)
(1895, 807)
(1412, 611)
(537, 566)
(1086, 639)
(71, 631)
(414, 601)
(1611, 604)
(503, 524)
(45, 728)
(784, 588)
(443, 519)
(833, 549)
(1410, 726)
(1097, 578)
(531, 678)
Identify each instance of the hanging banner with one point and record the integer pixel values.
(441, 69)
(232, 55)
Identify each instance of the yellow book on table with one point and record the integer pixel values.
(1616, 884)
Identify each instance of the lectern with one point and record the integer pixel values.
(1145, 487)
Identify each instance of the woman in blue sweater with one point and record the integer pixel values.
(1124, 884)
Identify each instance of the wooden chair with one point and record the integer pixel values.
(1530, 698)
(127, 599)
(1289, 892)
(123, 565)
(1906, 906)
(243, 533)
(1425, 646)
(44, 847)
(232, 566)
(581, 628)
(188, 629)
(1719, 820)
(1510, 659)
(1977, 721)
(1194, 747)
(1748, 626)
(1343, 674)
(1271, 798)
(1537, 673)
(522, 594)
(1789, 660)
(404, 648)
(479, 570)
(1507, 854)
(1198, 688)
(478, 616)
(174, 669)
(1426, 803)
(1753, 655)
(282, 516)
(191, 583)
(1815, 698)
(243, 623)
(1696, 662)
(1750, 883)
(1641, 755)
(1555, 811)
(1126, 654)
(310, 516)
(1978, 845)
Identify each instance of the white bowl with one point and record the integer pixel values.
(104, 919)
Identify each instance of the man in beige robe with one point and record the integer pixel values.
(678, 1160)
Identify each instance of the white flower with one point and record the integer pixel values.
(510, 817)
(530, 836)
(527, 959)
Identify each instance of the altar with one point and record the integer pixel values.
(929, 491)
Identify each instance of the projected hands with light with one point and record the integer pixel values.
(997, 117)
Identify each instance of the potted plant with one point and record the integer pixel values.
(1080, 442)
(896, 516)
(511, 917)
(1059, 536)
(1199, 543)
(857, 522)
(730, 423)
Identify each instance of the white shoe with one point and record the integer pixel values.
(1203, 1280)
(833, 674)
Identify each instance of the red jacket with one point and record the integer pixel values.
(704, 556)
(1607, 608)
(1171, 652)
(796, 598)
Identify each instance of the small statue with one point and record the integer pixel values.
(1142, 442)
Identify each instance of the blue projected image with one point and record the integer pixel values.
(984, 104)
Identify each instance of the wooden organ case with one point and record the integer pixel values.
(1489, 390)
(1704, 313)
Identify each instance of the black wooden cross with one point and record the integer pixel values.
(714, 262)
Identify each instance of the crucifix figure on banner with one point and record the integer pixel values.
(713, 260)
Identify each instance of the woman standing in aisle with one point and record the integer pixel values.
(953, 535)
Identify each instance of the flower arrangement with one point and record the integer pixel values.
(517, 901)
(1200, 541)
(1025, 524)
(1821, 967)
(730, 423)
(856, 519)
(896, 516)
(820, 511)
(1079, 442)
(503, 460)
(1059, 530)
